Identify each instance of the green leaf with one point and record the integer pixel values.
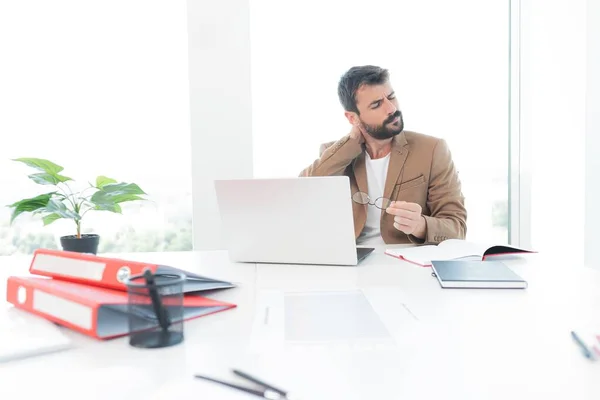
(58, 207)
(41, 164)
(122, 188)
(111, 194)
(44, 178)
(103, 199)
(109, 207)
(50, 218)
(30, 205)
(102, 181)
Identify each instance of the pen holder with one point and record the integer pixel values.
(155, 309)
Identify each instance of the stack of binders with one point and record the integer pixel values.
(87, 293)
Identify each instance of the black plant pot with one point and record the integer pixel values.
(88, 243)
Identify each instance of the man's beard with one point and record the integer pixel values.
(386, 130)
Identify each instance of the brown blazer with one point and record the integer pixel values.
(421, 171)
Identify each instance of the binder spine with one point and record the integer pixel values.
(53, 265)
(60, 310)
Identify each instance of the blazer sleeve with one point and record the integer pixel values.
(334, 158)
(446, 203)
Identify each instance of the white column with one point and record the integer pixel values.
(592, 138)
(220, 107)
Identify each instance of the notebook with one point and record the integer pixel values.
(476, 274)
(452, 249)
(26, 335)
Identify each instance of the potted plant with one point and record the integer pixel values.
(105, 195)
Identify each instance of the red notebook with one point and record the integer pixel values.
(91, 310)
(109, 272)
(452, 249)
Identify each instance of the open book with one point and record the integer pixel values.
(452, 249)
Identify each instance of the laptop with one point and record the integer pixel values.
(304, 220)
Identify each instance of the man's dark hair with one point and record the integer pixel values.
(354, 78)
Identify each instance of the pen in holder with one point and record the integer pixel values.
(155, 309)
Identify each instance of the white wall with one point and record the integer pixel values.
(553, 68)
(592, 140)
(220, 107)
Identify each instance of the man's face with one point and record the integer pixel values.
(379, 112)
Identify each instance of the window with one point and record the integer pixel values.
(449, 65)
(553, 119)
(100, 89)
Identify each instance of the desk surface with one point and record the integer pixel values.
(457, 344)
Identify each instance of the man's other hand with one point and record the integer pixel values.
(408, 218)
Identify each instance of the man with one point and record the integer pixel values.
(404, 185)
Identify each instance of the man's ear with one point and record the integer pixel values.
(352, 117)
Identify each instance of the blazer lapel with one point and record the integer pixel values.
(360, 210)
(397, 159)
(360, 173)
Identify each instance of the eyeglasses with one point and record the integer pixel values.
(266, 391)
(362, 198)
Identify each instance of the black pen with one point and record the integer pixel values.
(586, 352)
(159, 309)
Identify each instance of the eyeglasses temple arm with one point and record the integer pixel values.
(259, 382)
(258, 393)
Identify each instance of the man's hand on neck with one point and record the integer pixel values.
(378, 148)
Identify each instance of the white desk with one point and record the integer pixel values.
(461, 343)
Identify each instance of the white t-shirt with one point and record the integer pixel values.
(376, 174)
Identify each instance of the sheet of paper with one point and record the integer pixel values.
(334, 320)
(23, 334)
